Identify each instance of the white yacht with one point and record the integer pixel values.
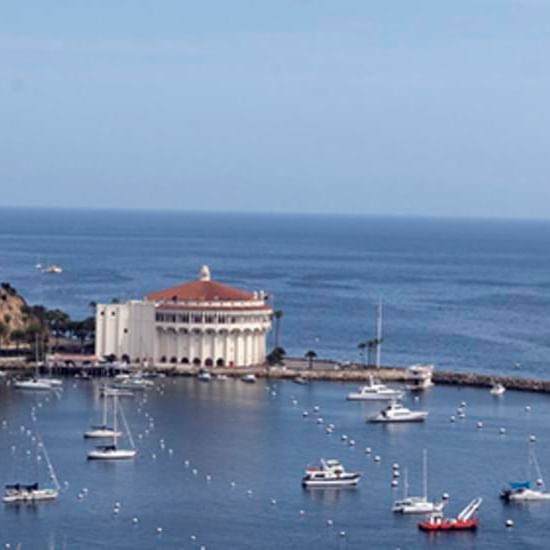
(522, 492)
(33, 384)
(53, 269)
(497, 389)
(109, 391)
(330, 473)
(421, 504)
(375, 391)
(20, 492)
(204, 376)
(419, 377)
(113, 451)
(396, 412)
(102, 430)
(249, 378)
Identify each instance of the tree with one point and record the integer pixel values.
(277, 315)
(361, 347)
(4, 331)
(58, 323)
(18, 336)
(276, 356)
(310, 356)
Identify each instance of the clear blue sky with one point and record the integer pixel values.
(380, 106)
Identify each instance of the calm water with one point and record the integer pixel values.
(466, 295)
(256, 437)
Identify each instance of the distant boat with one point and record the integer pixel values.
(331, 473)
(102, 430)
(53, 269)
(204, 376)
(522, 492)
(375, 391)
(497, 389)
(417, 505)
(300, 380)
(419, 377)
(108, 391)
(33, 384)
(249, 378)
(113, 451)
(396, 412)
(19, 492)
(465, 521)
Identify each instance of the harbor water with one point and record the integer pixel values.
(219, 465)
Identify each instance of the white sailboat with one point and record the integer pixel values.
(522, 492)
(421, 504)
(102, 430)
(30, 493)
(113, 451)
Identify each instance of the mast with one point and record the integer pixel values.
(378, 333)
(406, 485)
(105, 399)
(127, 428)
(425, 473)
(48, 461)
(115, 427)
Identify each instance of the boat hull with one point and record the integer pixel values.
(525, 496)
(347, 481)
(34, 386)
(101, 434)
(39, 495)
(449, 525)
(118, 454)
(414, 417)
(373, 397)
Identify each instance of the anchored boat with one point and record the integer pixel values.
(522, 492)
(102, 430)
(465, 521)
(396, 412)
(374, 391)
(330, 473)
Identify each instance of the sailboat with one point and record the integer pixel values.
(102, 430)
(522, 492)
(113, 451)
(417, 505)
(21, 492)
(35, 382)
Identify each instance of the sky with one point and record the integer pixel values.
(423, 107)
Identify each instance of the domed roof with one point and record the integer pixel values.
(202, 290)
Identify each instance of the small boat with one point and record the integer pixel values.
(102, 430)
(33, 384)
(222, 377)
(249, 378)
(16, 493)
(375, 391)
(497, 389)
(331, 473)
(417, 505)
(113, 451)
(396, 412)
(109, 391)
(204, 376)
(465, 521)
(300, 380)
(53, 382)
(53, 269)
(522, 492)
(419, 377)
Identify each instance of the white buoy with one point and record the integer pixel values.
(368, 450)
(395, 466)
(540, 482)
(316, 408)
(394, 483)
(319, 420)
(452, 418)
(344, 437)
(330, 523)
(302, 512)
(351, 442)
(509, 523)
(396, 473)
(377, 458)
(502, 431)
(159, 530)
(135, 520)
(249, 492)
(193, 537)
(273, 502)
(527, 408)
(532, 438)
(305, 413)
(342, 533)
(445, 496)
(480, 425)
(463, 404)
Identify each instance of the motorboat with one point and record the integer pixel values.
(249, 378)
(300, 380)
(522, 491)
(113, 451)
(53, 382)
(204, 376)
(396, 412)
(33, 384)
(19, 492)
(465, 521)
(419, 377)
(53, 269)
(420, 504)
(29, 493)
(330, 473)
(375, 391)
(132, 382)
(497, 389)
(109, 391)
(102, 430)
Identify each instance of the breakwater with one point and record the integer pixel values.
(323, 370)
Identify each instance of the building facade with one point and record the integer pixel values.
(202, 323)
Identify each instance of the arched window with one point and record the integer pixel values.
(185, 360)
(196, 361)
(208, 362)
(220, 362)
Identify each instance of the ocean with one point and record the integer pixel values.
(466, 295)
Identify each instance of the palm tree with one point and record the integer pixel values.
(362, 346)
(277, 315)
(4, 331)
(18, 336)
(58, 323)
(310, 356)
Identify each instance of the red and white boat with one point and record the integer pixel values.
(465, 521)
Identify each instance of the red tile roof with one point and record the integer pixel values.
(201, 291)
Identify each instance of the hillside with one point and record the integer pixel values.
(16, 317)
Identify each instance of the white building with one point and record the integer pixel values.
(202, 322)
